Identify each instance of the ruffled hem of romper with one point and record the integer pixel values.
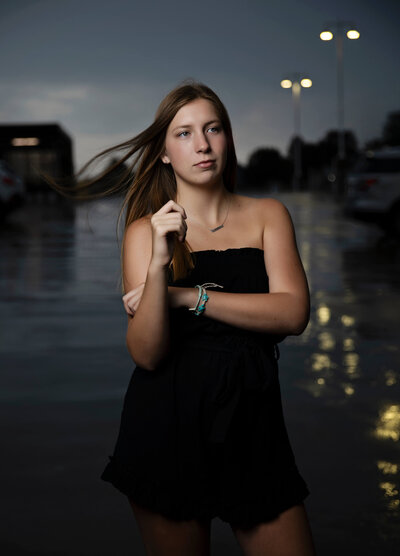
(287, 491)
(159, 497)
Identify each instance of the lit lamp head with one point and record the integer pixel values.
(326, 35)
(286, 83)
(353, 34)
(306, 83)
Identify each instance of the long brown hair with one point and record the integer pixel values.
(151, 183)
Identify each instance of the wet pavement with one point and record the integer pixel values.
(65, 369)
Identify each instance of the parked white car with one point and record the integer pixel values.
(373, 188)
(12, 188)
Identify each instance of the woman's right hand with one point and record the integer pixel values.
(167, 224)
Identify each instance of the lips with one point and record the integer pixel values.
(209, 161)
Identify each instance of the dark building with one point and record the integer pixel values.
(33, 149)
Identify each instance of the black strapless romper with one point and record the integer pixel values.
(203, 435)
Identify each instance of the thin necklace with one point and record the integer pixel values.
(221, 225)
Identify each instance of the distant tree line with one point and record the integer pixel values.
(268, 168)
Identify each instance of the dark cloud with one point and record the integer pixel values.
(101, 68)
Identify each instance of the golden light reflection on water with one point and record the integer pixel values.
(347, 320)
(388, 425)
(389, 488)
(331, 346)
(387, 467)
(323, 314)
(321, 361)
(334, 344)
(317, 386)
(326, 341)
(348, 389)
(350, 361)
(348, 344)
(390, 491)
(390, 378)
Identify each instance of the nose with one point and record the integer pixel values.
(202, 144)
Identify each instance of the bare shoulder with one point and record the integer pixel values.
(258, 202)
(279, 233)
(267, 209)
(275, 214)
(272, 206)
(143, 221)
(139, 228)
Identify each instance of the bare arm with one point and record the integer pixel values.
(147, 254)
(285, 310)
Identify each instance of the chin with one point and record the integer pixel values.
(210, 178)
(207, 177)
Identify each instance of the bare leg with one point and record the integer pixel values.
(287, 535)
(165, 537)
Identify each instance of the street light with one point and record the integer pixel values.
(296, 83)
(327, 35)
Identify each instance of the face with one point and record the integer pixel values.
(195, 135)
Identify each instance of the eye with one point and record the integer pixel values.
(179, 134)
(215, 128)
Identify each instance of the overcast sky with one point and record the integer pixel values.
(100, 68)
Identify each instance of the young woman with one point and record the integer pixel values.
(212, 282)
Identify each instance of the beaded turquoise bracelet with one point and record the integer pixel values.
(203, 297)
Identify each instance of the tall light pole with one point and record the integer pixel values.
(339, 28)
(296, 83)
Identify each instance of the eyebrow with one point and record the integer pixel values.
(188, 125)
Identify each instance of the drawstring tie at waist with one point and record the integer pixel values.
(251, 367)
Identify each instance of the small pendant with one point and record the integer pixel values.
(217, 228)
